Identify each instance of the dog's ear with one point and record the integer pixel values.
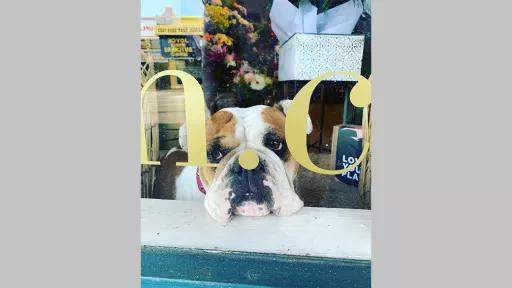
(283, 106)
(182, 134)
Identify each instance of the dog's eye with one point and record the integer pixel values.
(276, 145)
(217, 155)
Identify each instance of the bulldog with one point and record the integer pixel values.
(229, 188)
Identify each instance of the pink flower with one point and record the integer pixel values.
(229, 57)
(230, 60)
(241, 8)
(217, 2)
(248, 77)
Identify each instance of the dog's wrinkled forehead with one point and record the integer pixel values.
(234, 126)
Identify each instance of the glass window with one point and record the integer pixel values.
(233, 50)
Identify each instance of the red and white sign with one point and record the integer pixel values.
(147, 27)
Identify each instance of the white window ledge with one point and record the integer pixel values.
(322, 232)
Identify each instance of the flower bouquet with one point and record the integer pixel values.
(239, 54)
(252, 86)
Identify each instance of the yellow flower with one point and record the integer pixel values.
(223, 39)
(218, 15)
(242, 21)
(231, 63)
(253, 37)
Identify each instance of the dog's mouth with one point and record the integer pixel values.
(249, 195)
(252, 209)
(255, 192)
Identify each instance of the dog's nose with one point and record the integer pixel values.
(238, 169)
(251, 177)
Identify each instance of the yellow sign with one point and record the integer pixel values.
(182, 26)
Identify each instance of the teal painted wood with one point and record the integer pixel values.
(253, 268)
(149, 282)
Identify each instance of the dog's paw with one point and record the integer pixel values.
(218, 206)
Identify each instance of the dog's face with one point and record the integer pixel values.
(259, 191)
